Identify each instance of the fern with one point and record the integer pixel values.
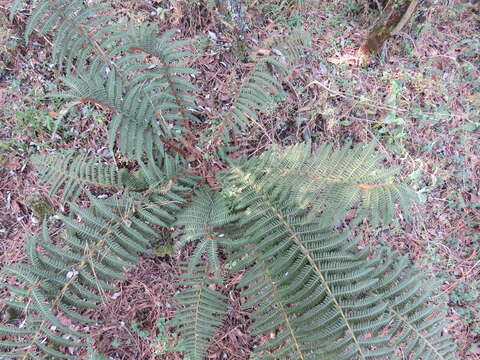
(274, 217)
(201, 220)
(133, 120)
(146, 108)
(77, 27)
(253, 97)
(71, 278)
(258, 89)
(290, 48)
(15, 7)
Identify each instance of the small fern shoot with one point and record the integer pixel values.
(202, 220)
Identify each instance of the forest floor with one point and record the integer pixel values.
(420, 98)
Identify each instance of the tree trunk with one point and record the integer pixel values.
(393, 18)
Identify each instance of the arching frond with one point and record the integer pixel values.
(331, 182)
(254, 97)
(290, 48)
(74, 272)
(114, 70)
(80, 29)
(201, 311)
(325, 298)
(175, 99)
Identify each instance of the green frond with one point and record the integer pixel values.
(76, 26)
(324, 298)
(8, 329)
(16, 6)
(415, 327)
(81, 27)
(290, 48)
(176, 101)
(257, 92)
(134, 118)
(164, 174)
(9, 344)
(72, 172)
(73, 272)
(253, 98)
(146, 101)
(200, 312)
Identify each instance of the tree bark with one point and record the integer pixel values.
(393, 18)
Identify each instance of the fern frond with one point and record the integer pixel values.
(330, 301)
(177, 100)
(254, 97)
(310, 291)
(201, 309)
(415, 328)
(133, 120)
(256, 94)
(76, 26)
(16, 6)
(113, 71)
(148, 106)
(72, 173)
(69, 275)
(163, 173)
(291, 47)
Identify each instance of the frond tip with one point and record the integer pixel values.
(201, 311)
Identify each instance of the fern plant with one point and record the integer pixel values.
(275, 217)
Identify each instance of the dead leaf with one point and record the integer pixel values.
(13, 163)
(345, 59)
(263, 52)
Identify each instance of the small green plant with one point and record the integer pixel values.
(34, 121)
(40, 206)
(279, 218)
(167, 341)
